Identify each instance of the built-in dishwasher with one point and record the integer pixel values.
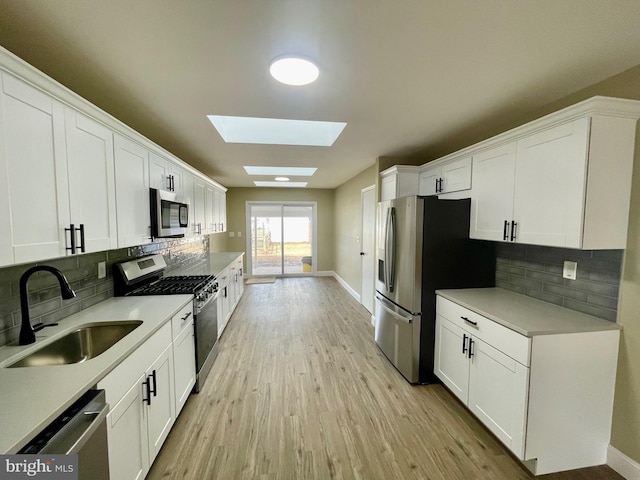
(80, 430)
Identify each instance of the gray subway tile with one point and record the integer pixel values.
(546, 297)
(593, 287)
(606, 302)
(510, 286)
(526, 282)
(545, 277)
(604, 313)
(565, 292)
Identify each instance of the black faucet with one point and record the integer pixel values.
(27, 334)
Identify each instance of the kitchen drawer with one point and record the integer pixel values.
(119, 380)
(181, 320)
(500, 337)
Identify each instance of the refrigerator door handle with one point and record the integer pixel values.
(392, 310)
(390, 250)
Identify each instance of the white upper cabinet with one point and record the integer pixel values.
(562, 181)
(32, 153)
(132, 185)
(452, 175)
(60, 172)
(198, 206)
(492, 197)
(399, 181)
(165, 174)
(91, 174)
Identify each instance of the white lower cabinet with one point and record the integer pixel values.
(184, 354)
(224, 300)
(142, 399)
(491, 384)
(548, 397)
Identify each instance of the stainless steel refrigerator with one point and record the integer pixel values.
(422, 245)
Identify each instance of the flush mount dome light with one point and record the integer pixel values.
(294, 70)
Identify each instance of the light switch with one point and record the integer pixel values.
(569, 270)
(102, 269)
(239, 234)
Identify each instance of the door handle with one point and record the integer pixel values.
(471, 344)
(513, 230)
(154, 390)
(464, 343)
(147, 384)
(505, 234)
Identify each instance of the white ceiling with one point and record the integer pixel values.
(405, 75)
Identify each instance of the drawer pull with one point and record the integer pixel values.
(186, 316)
(471, 322)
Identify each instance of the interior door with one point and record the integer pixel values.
(367, 248)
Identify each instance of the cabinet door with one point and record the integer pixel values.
(451, 363)
(132, 185)
(91, 174)
(159, 176)
(184, 366)
(498, 387)
(161, 412)
(492, 194)
(456, 175)
(33, 165)
(127, 436)
(429, 180)
(210, 212)
(388, 187)
(550, 185)
(199, 198)
(223, 211)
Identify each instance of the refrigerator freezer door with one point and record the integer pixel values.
(400, 251)
(397, 333)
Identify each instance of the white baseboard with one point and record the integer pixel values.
(347, 287)
(325, 273)
(625, 466)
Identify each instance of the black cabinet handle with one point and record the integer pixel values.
(82, 249)
(505, 236)
(471, 344)
(147, 385)
(513, 230)
(72, 235)
(154, 390)
(186, 316)
(464, 343)
(475, 324)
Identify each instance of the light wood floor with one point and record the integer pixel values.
(301, 391)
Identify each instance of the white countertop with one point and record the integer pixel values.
(523, 314)
(32, 397)
(214, 264)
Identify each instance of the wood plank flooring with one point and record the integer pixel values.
(301, 391)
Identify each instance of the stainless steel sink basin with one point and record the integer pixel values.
(84, 343)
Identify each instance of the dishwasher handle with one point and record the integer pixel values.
(78, 430)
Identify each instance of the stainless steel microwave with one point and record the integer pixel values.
(169, 214)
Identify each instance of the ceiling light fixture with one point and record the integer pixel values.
(281, 179)
(295, 71)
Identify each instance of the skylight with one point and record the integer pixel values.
(259, 183)
(276, 131)
(281, 171)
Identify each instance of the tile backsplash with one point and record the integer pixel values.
(45, 302)
(537, 272)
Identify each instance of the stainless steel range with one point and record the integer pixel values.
(144, 276)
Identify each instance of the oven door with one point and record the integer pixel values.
(206, 328)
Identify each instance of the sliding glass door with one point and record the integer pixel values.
(282, 238)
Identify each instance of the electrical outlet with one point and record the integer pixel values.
(102, 269)
(569, 270)
(232, 234)
(239, 234)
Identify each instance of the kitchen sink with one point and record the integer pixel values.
(84, 343)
